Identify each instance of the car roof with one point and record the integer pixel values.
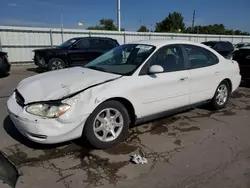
(77, 38)
(159, 43)
(213, 41)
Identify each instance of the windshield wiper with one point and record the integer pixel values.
(96, 68)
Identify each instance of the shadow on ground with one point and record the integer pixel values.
(36, 70)
(4, 75)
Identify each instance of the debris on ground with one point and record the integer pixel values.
(8, 172)
(138, 159)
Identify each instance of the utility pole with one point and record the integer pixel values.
(118, 15)
(193, 21)
(62, 27)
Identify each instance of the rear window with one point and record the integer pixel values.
(210, 44)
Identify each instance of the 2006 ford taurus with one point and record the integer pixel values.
(130, 84)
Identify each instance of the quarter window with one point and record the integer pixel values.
(200, 57)
(169, 57)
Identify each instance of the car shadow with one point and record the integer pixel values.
(16, 135)
(4, 75)
(36, 70)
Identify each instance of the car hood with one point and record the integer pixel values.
(60, 84)
(49, 49)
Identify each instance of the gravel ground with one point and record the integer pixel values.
(198, 148)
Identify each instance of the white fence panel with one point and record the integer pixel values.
(20, 41)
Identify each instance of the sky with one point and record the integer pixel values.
(47, 13)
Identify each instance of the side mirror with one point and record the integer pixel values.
(156, 69)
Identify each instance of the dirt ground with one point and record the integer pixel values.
(195, 149)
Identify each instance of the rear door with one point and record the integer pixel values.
(242, 56)
(204, 73)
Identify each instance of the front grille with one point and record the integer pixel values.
(19, 98)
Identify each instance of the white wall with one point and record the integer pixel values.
(20, 41)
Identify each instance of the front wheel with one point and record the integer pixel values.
(107, 125)
(221, 96)
(56, 64)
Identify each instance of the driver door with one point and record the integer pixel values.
(164, 91)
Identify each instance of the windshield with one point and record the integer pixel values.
(123, 60)
(67, 43)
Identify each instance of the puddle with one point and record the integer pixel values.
(171, 134)
(8, 172)
(238, 94)
(96, 168)
(177, 142)
(228, 113)
(121, 149)
(19, 158)
(193, 128)
(160, 126)
(181, 124)
(247, 108)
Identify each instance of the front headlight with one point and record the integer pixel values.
(48, 110)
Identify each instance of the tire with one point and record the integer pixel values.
(56, 64)
(217, 102)
(96, 138)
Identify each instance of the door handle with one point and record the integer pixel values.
(183, 79)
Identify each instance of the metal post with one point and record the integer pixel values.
(62, 27)
(118, 15)
(51, 38)
(0, 44)
(124, 37)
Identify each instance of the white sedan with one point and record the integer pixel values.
(132, 83)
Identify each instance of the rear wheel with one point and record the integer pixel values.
(56, 64)
(221, 96)
(107, 125)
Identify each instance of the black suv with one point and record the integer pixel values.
(242, 56)
(74, 52)
(4, 64)
(225, 48)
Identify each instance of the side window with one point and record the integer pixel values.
(169, 57)
(96, 43)
(199, 57)
(102, 44)
(83, 44)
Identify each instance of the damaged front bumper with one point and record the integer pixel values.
(45, 130)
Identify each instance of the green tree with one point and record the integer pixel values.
(143, 28)
(105, 24)
(173, 23)
(216, 29)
